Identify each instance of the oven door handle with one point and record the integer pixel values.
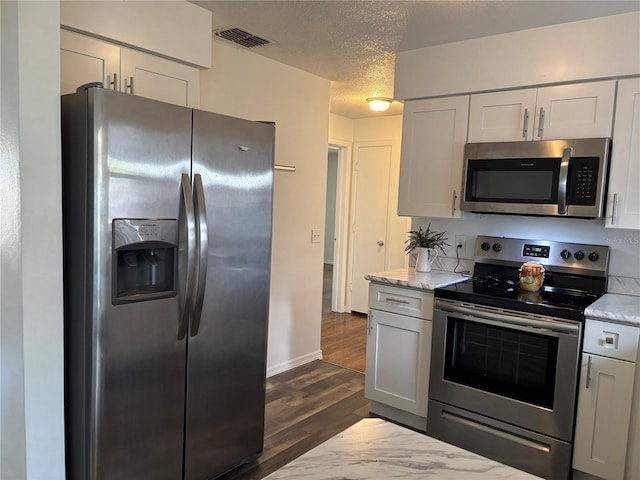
(511, 319)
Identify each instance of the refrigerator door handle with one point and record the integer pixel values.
(202, 247)
(187, 204)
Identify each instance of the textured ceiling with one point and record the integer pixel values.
(353, 43)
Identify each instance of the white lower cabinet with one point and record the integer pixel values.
(604, 400)
(399, 353)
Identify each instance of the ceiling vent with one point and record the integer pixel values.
(241, 37)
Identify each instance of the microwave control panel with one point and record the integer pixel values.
(583, 181)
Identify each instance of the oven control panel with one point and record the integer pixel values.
(555, 256)
(530, 250)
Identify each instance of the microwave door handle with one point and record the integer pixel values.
(562, 182)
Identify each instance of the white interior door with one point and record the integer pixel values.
(369, 218)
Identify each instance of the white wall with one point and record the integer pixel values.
(341, 128)
(250, 86)
(589, 49)
(31, 346)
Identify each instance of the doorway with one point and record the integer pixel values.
(330, 229)
(336, 227)
(343, 336)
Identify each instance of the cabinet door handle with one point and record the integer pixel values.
(369, 317)
(114, 82)
(613, 209)
(525, 126)
(394, 300)
(588, 373)
(541, 123)
(129, 86)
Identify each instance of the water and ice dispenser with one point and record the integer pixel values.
(145, 254)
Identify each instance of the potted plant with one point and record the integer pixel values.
(425, 243)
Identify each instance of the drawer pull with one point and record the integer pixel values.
(395, 300)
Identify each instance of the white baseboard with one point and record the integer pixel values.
(295, 362)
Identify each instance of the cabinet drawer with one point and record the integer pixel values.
(405, 301)
(611, 340)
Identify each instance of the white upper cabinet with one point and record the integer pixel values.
(581, 110)
(623, 203)
(433, 137)
(175, 30)
(502, 116)
(154, 77)
(85, 59)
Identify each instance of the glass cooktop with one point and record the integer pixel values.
(549, 300)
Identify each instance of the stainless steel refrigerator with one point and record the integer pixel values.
(167, 243)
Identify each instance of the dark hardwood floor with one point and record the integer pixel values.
(305, 406)
(344, 335)
(344, 340)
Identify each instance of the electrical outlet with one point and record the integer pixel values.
(461, 244)
(315, 236)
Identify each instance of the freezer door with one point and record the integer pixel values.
(126, 361)
(226, 357)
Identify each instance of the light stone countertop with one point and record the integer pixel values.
(616, 308)
(408, 277)
(374, 449)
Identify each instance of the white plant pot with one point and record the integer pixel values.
(426, 256)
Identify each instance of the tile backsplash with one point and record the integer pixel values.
(624, 264)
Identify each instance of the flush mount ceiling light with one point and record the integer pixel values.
(379, 104)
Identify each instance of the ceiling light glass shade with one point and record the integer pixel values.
(379, 104)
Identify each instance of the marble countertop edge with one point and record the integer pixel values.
(408, 277)
(375, 449)
(614, 307)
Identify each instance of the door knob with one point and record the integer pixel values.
(380, 243)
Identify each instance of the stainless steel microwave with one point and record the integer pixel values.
(566, 178)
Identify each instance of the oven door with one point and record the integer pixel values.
(514, 367)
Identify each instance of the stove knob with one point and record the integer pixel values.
(593, 256)
(565, 254)
(579, 255)
(497, 247)
(485, 246)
